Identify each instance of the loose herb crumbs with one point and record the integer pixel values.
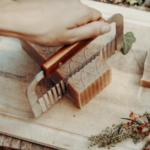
(137, 128)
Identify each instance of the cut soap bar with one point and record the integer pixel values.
(99, 42)
(89, 81)
(145, 81)
(45, 52)
(84, 55)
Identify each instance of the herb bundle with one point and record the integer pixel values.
(137, 128)
(124, 2)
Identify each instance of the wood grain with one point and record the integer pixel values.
(65, 126)
(9, 143)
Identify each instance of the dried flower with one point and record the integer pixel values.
(135, 128)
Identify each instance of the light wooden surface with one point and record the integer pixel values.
(130, 15)
(65, 126)
(143, 7)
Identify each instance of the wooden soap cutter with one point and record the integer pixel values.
(39, 106)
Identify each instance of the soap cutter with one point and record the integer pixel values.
(41, 105)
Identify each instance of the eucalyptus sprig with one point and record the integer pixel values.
(137, 128)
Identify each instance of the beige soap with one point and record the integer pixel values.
(83, 55)
(145, 81)
(75, 61)
(89, 81)
(97, 44)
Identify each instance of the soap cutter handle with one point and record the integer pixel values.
(62, 56)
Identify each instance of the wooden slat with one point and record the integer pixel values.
(35, 146)
(15, 143)
(6, 141)
(26, 145)
(9, 143)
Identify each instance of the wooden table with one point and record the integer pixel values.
(65, 126)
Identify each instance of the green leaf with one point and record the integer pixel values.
(148, 118)
(128, 40)
(131, 2)
(140, 2)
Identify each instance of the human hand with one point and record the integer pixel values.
(53, 22)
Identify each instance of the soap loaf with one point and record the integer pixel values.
(145, 81)
(100, 43)
(89, 81)
(40, 53)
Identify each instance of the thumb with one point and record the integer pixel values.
(90, 30)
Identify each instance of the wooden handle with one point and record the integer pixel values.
(62, 56)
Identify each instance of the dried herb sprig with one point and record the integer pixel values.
(147, 145)
(137, 128)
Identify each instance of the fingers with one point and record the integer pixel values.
(94, 15)
(90, 30)
(82, 15)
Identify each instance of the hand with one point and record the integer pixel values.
(53, 22)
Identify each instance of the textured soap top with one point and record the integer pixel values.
(89, 81)
(145, 81)
(88, 74)
(45, 52)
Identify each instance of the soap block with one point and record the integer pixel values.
(89, 81)
(74, 62)
(40, 54)
(84, 55)
(47, 52)
(145, 81)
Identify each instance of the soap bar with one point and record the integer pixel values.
(78, 59)
(45, 52)
(40, 53)
(145, 81)
(84, 55)
(89, 81)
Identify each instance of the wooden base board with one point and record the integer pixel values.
(9, 143)
(65, 126)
